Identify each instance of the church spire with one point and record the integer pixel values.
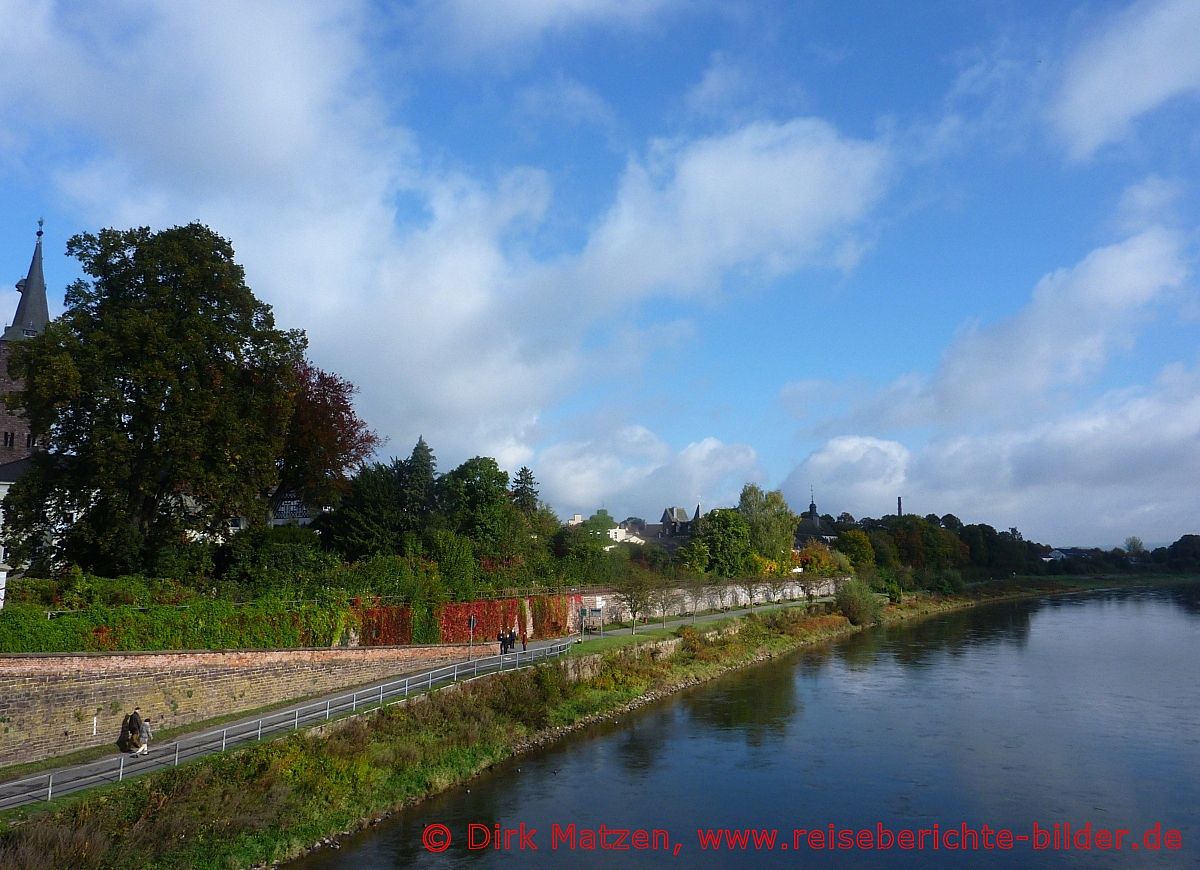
(32, 312)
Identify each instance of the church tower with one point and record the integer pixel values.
(16, 440)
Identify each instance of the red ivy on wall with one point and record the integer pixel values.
(490, 618)
(385, 624)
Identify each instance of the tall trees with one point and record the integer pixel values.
(164, 394)
(771, 522)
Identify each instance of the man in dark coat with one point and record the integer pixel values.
(135, 727)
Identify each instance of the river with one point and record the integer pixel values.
(1081, 709)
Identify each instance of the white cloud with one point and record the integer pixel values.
(1077, 319)
(721, 87)
(767, 197)
(1145, 56)
(632, 472)
(852, 472)
(1150, 201)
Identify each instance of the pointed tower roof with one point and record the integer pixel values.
(32, 312)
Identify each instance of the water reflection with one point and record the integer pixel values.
(757, 710)
(920, 644)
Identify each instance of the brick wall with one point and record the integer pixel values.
(47, 702)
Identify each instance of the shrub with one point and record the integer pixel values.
(858, 603)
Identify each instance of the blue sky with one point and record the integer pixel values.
(655, 250)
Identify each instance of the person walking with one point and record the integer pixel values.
(135, 727)
(512, 638)
(502, 639)
(144, 735)
(524, 642)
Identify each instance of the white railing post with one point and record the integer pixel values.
(327, 711)
(260, 729)
(297, 726)
(50, 782)
(177, 754)
(381, 694)
(120, 773)
(224, 731)
(406, 687)
(354, 702)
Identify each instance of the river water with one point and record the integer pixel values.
(1065, 710)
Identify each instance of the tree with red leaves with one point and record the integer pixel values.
(326, 441)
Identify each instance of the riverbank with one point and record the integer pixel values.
(275, 801)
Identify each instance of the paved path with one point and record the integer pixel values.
(119, 766)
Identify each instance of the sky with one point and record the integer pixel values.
(657, 249)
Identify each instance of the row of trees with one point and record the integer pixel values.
(482, 531)
(168, 402)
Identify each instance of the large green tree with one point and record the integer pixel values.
(857, 547)
(726, 534)
(163, 394)
(772, 523)
(474, 498)
(370, 520)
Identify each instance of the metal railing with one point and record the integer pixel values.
(45, 786)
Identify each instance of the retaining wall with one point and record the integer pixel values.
(52, 704)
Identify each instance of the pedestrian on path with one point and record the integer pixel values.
(144, 735)
(134, 725)
(524, 642)
(502, 639)
(512, 638)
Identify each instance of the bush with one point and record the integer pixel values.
(280, 560)
(944, 581)
(858, 603)
(883, 580)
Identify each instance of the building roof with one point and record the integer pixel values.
(32, 312)
(11, 472)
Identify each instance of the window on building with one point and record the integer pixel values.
(10, 439)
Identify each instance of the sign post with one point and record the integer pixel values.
(471, 636)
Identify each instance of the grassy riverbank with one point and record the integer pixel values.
(273, 801)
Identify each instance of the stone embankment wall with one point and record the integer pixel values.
(48, 701)
(679, 601)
